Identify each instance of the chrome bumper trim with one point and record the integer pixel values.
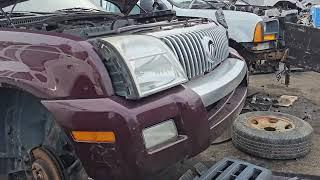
(220, 82)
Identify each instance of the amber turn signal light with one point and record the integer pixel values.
(93, 137)
(258, 33)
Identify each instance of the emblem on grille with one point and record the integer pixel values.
(209, 49)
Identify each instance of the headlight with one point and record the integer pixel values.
(141, 65)
(221, 18)
(266, 31)
(159, 134)
(272, 29)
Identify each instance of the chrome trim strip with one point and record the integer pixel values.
(220, 82)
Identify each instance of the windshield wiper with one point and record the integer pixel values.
(79, 9)
(22, 14)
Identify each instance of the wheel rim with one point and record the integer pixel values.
(271, 123)
(45, 166)
(39, 170)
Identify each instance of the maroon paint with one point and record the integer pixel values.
(128, 157)
(58, 66)
(51, 66)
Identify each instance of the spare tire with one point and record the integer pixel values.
(272, 135)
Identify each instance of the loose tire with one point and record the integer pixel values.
(272, 135)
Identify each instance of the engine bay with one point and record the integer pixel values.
(90, 25)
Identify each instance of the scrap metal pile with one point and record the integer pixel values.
(299, 28)
(297, 12)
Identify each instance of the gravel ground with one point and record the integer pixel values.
(306, 86)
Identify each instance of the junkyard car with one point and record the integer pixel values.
(255, 38)
(276, 3)
(89, 92)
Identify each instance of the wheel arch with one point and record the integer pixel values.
(234, 44)
(27, 124)
(239, 48)
(22, 86)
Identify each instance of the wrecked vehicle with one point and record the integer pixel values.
(297, 28)
(87, 92)
(256, 39)
(271, 9)
(302, 38)
(287, 4)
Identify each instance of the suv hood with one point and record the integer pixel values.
(124, 5)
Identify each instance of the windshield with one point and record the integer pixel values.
(52, 5)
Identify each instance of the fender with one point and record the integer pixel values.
(241, 25)
(52, 65)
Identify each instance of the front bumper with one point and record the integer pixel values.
(269, 50)
(199, 117)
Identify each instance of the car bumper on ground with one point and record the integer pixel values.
(201, 110)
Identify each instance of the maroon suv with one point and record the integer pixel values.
(89, 93)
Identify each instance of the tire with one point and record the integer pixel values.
(272, 135)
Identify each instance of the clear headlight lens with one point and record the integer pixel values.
(151, 64)
(152, 73)
(271, 29)
(159, 134)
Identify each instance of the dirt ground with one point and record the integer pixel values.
(305, 85)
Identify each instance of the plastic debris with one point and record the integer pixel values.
(286, 101)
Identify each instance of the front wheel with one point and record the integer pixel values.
(45, 166)
(33, 145)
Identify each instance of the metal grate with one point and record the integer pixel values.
(234, 169)
(199, 50)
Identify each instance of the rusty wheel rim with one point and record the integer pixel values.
(45, 166)
(39, 170)
(271, 123)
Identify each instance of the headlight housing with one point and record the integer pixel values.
(266, 31)
(140, 65)
(221, 18)
(159, 133)
(272, 29)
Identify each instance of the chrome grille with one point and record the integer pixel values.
(192, 47)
